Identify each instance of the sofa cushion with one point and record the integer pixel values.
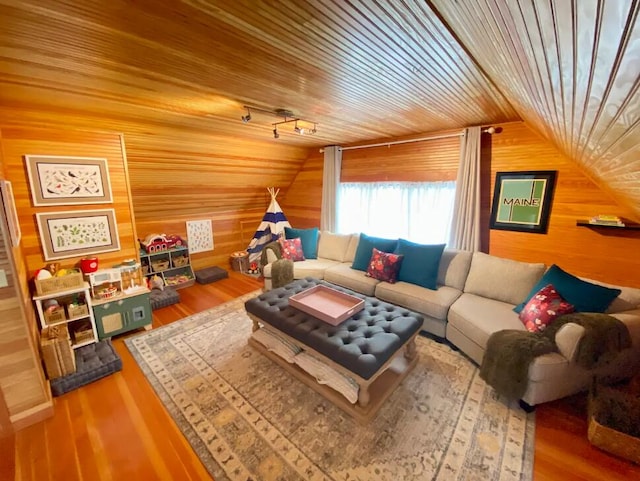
(478, 317)
(365, 249)
(628, 299)
(333, 246)
(544, 308)
(344, 275)
(502, 279)
(353, 247)
(292, 249)
(384, 266)
(420, 299)
(585, 296)
(307, 268)
(309, 238)
(421, 263)
(454, 268)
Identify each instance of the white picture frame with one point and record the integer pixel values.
(10, 212)
(58, 180)
(77, 233)
(199, 235)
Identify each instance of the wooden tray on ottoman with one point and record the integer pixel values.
(328, 305)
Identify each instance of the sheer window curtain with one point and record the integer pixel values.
(330, 191)
(465, 228)
(420, 212)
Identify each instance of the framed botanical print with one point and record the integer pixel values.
(77, 233)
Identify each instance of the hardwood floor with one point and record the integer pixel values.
(116, 428)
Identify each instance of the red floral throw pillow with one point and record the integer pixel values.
(292, 249)
(543, 308)
(384, 266)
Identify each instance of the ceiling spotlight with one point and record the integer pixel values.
(246, 118)
(286, 117)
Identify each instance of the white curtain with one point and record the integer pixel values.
(330, 182)
(465, 228)
(420, 212)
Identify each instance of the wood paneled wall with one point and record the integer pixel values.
(178, 176)
(18, 142)
(606, 255)
(429, 161)
(599, 254)
(21, 374)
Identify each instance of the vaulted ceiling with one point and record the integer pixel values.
(361, 70)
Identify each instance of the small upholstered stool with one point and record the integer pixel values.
(210, 274)
(93, 362)
(163, 298)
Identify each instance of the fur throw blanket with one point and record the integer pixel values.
(281, 273)
(274, 247)
(505, 365)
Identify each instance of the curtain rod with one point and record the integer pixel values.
(422, 139)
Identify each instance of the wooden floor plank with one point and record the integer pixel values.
(117, 428)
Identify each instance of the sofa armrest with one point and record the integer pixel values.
(568, 339)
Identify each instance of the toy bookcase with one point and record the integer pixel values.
(73, 309)
(172, 265)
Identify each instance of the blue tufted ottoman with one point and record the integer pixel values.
(366, 347)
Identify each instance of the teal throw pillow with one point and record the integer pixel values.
(365, 250)
(421, 263)
(585, 296)
(308, 237)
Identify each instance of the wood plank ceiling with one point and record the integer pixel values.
(571, 69)
(361, 69)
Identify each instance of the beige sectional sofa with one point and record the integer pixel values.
(475, 297)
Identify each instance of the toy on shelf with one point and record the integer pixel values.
(160, 242)
(156, 282)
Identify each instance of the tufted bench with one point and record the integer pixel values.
(364, 347)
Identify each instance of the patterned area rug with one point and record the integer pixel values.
(248, 419)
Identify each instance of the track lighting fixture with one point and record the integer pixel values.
(247, 118)
(288, 116)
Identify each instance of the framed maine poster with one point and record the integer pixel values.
(522, 200)
(58, 180)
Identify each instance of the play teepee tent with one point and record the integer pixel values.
(273, 223)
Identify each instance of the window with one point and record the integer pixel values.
(420, 212)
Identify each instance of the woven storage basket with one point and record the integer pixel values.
(615, 405)
(77, 310)
(54, 315)
(160, 265)
(180, 261)
(59, 358)
(614, 442)
(57, 284)
(82, 334)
